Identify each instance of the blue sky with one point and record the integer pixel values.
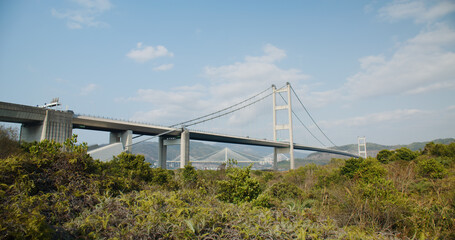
(380, 69)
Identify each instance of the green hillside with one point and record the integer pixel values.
(373, 149)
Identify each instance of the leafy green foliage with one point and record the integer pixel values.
(240, 187)
(384, 156)
(284, 191)
(134, 167)
(404, 154)
(190, 175)
(440, 150)
(8, 141)
(365, 169)
(54, 191)
(431, 168)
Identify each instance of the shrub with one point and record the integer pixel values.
(404, 154)
(131, 166)
(268, 176)
(265, 200)
(351, 166)
(384, 156)
(296, 176)
(160, 176)
(439, 150)
(282, 191)
(8, 141)
(189, 174)
(431, 168)
(328, 177)
(240, 187)
(365, 169)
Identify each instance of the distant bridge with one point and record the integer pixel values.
(43, 123)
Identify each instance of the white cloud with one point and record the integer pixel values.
(272, 54)
(226, 85)
(164, 67)
(85, 14)
(173, 104)
(146, 53)
(239, 78)
(418, 65)
(420, 62)
(432, 87)
(374, 119)
(88, 89)
(420, 10)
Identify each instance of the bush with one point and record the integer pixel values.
(131, 166)
(439, 150)
(160, 176)
(282, 191)
(240, 187)
(431, 168)
(329, 177)
(296, 176)
(364, 169)
(404, 154)
(351, 166)
(189, 175)
(384, 156)
(8, 142)
(265, 200)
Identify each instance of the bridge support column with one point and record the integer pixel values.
(162, 153)
(184, 148)
(275, 159)
(125, 137)
(57, 126)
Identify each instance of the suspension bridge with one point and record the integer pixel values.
(223, 156)
(39, 123)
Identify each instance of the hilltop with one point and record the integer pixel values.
(373, 149)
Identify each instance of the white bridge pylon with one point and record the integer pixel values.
(225, 154)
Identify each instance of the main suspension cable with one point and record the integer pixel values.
(210, 114)
(224, 109)
(312, 117)
(226, 113)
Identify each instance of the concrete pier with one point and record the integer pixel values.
(162, 153)
(184, 148)
(125, 137)
(56, 125)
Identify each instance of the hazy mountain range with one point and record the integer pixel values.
(201, 149)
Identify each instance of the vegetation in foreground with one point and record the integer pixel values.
(53, 191)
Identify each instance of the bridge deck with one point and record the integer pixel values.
(10, 112)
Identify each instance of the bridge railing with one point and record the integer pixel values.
(118, 119)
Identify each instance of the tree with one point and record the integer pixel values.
(384, 156)
(240, 187)
(8, 141)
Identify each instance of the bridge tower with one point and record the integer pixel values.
(288, 126)
(362, 146)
